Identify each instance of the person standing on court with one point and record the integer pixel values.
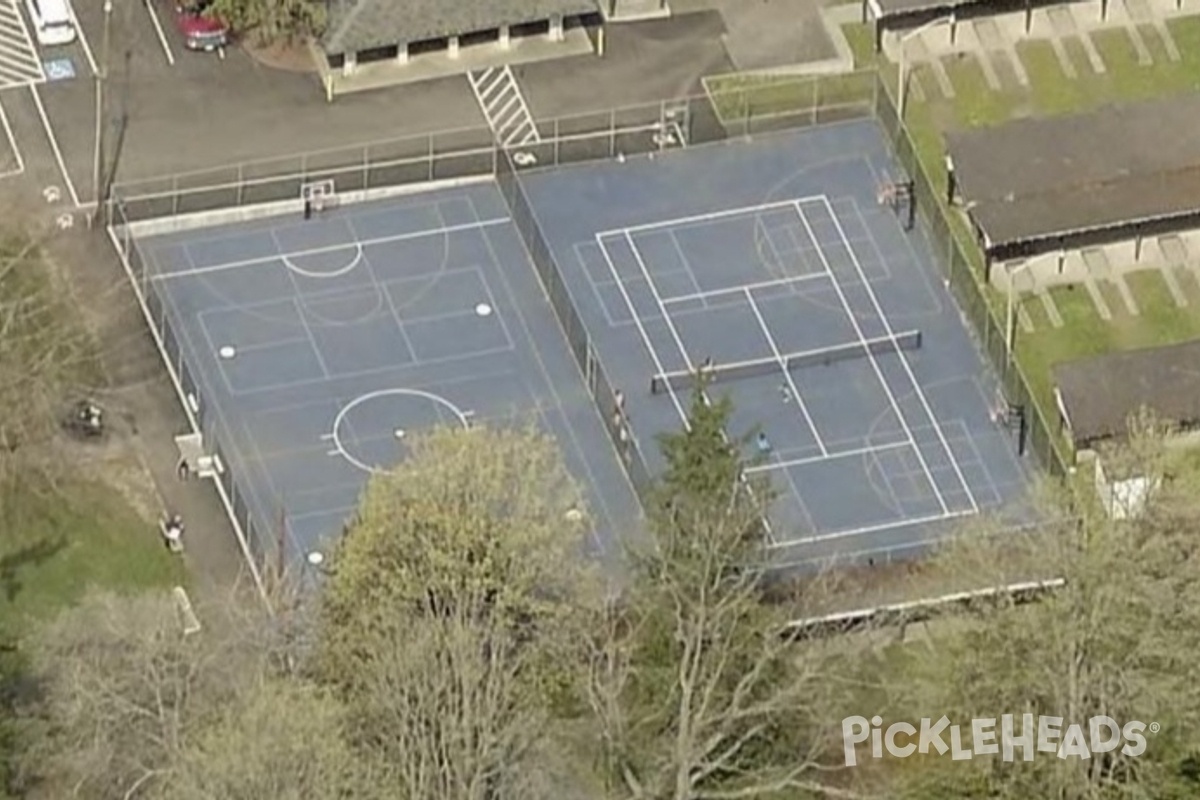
(764, 444)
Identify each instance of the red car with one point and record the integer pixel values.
(200, 31)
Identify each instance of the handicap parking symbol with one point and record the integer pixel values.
(59, 69)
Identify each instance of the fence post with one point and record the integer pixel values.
(366, 167)
(174, 195)
(612, 133)
(241, 199)
(429, 173)
(557, 143)
(816, 99)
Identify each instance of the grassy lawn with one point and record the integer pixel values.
(54, 546)
(738, 98)
(1051, 92)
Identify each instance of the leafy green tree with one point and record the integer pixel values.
(695, 693)
(270, 21)
(452, 610)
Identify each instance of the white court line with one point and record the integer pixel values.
(362, 243)
(158, 31)
(58, 156)
(707, 217)
(637, 320)
(787, 373)
(866, 529)
(12, 142)
(834, 456)
(687, 359)
(837, 287)
(683, 298)
(683, 259)
(920, 393)
(662, 309)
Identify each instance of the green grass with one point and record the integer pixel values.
(54, 546)
(737, 98)
(1050, 93)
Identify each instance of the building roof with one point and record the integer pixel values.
(364, 24)
(1043, 178)
(1099, 394)
(886, 9)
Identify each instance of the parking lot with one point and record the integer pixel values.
(181, 111)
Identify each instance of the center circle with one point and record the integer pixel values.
(364, 430)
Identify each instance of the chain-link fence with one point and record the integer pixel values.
(728, 109)
(247, 518)
(731, 107)
(962, 262)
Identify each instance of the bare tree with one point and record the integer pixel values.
(451, 611)
(287, 741)
(45, 353)
(123, 689)
(1118, 640)
(696, 694)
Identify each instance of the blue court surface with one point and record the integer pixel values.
(318, 346)
(767, 254)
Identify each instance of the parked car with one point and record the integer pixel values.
(53, 23)
(200, 30)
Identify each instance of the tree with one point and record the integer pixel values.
(1118, 640)
(124, 692)
(448, 618)
(288, 741)
(695, 692)
(270, 21)
(45, 355)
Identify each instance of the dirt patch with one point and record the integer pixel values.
(289, 57)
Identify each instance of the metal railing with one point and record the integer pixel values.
(729, 109)
(965, 277)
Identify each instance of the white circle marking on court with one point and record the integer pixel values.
(336, 437)
(483, 310)
(227, 352)
(308, 273)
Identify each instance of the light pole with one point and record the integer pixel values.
(903, 88)
(101, 77)
(1010, 318)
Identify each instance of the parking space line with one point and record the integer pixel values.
(12, 142)
(158, 30)
(20, 64)
(87, 51)
(58, 156)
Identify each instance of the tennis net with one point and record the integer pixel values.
(738, 370)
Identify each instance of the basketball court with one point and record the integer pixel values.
(314, 345)
(773, 267)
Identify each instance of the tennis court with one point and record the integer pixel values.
(771, 266)
(312, 349)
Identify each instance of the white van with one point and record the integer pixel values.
(53, 22)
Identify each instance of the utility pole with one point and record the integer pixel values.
(101, 79)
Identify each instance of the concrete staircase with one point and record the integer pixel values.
(633, 10)
(504, 106)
